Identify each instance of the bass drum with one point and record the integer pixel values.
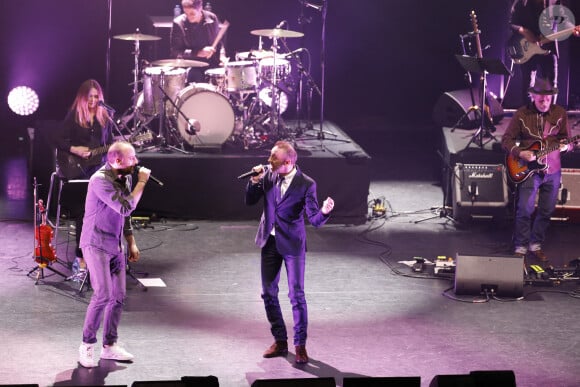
(210, 114)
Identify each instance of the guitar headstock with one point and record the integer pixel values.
(473, 17)
(41, 208)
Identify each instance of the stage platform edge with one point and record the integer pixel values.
(204, 185)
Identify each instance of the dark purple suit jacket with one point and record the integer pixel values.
(287, 215)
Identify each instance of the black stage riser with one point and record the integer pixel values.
(206, 186)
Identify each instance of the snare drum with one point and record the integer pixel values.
(210, 112)
(173, 82)
(267, 68)
(241, 76)
(217, 77)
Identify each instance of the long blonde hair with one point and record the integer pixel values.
(80, 106)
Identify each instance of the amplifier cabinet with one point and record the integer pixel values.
(479, 190)
(568, 206)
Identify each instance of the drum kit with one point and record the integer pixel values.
(241, 102)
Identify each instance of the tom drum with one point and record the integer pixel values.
(173, 82)
(241, 76)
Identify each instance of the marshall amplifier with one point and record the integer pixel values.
(479, 190)
(568, 206)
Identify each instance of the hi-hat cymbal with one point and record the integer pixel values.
(277, 33)
(136, 36)
(179, 63)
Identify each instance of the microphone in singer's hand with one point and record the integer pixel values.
(252, 173)
(101, 103)
(151, 177)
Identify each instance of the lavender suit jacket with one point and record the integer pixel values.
(287, 215)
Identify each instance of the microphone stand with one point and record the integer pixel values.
(311, 86)
(162, 118)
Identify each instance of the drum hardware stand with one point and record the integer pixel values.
(483, 66)
(164, 122)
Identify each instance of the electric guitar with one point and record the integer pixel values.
(70, 166)
(522, 50)
(519, 170)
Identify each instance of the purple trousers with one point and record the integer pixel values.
(107, 276)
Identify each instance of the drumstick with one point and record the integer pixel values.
(223, 28)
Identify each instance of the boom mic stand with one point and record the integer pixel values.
(444, 211)
(323, 9)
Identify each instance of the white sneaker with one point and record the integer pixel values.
(87, 355)
(115, 352)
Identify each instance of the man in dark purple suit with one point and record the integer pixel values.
(288, 194)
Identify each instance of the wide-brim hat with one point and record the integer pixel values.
(543, 86)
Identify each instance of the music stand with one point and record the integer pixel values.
(482, 66)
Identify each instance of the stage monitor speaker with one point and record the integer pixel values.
(452, 381)
(159, 383)
(479, 190)
(568, 206)
(494, 378)
(502, 275)
(200, 381)
(304, 382)
(452, 106)
(402, 381)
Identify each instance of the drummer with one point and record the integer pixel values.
(192, 36)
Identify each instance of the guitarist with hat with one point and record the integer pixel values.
(536, 126)
(86, 126)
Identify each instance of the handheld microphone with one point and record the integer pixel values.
(253, 173)
(101, 103)
(151, 177)
(279, 25)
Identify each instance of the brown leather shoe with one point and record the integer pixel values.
(279, 348)
(539, 255)
(301, 355)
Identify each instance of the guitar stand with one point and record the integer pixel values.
(40, 273)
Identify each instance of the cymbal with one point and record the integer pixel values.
(277, 33)
(136, 36)
(179, 63)
(255, 54)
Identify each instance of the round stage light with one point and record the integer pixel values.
(23, 100)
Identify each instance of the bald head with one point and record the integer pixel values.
(121, 155)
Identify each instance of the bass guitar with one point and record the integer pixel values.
(522, 50)
(71, 166)
(519, 170)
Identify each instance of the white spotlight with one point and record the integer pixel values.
(23, 100)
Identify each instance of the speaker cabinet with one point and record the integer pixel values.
(479, 190)
(476, 379)
(504, 275)
(568, 206)
(452, 381)
(450, 108)
(305, 382)
(407, 381)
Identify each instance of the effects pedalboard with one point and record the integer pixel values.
(552, 276)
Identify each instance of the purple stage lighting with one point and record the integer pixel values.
(23, 100)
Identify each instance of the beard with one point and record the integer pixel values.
(126, 171)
